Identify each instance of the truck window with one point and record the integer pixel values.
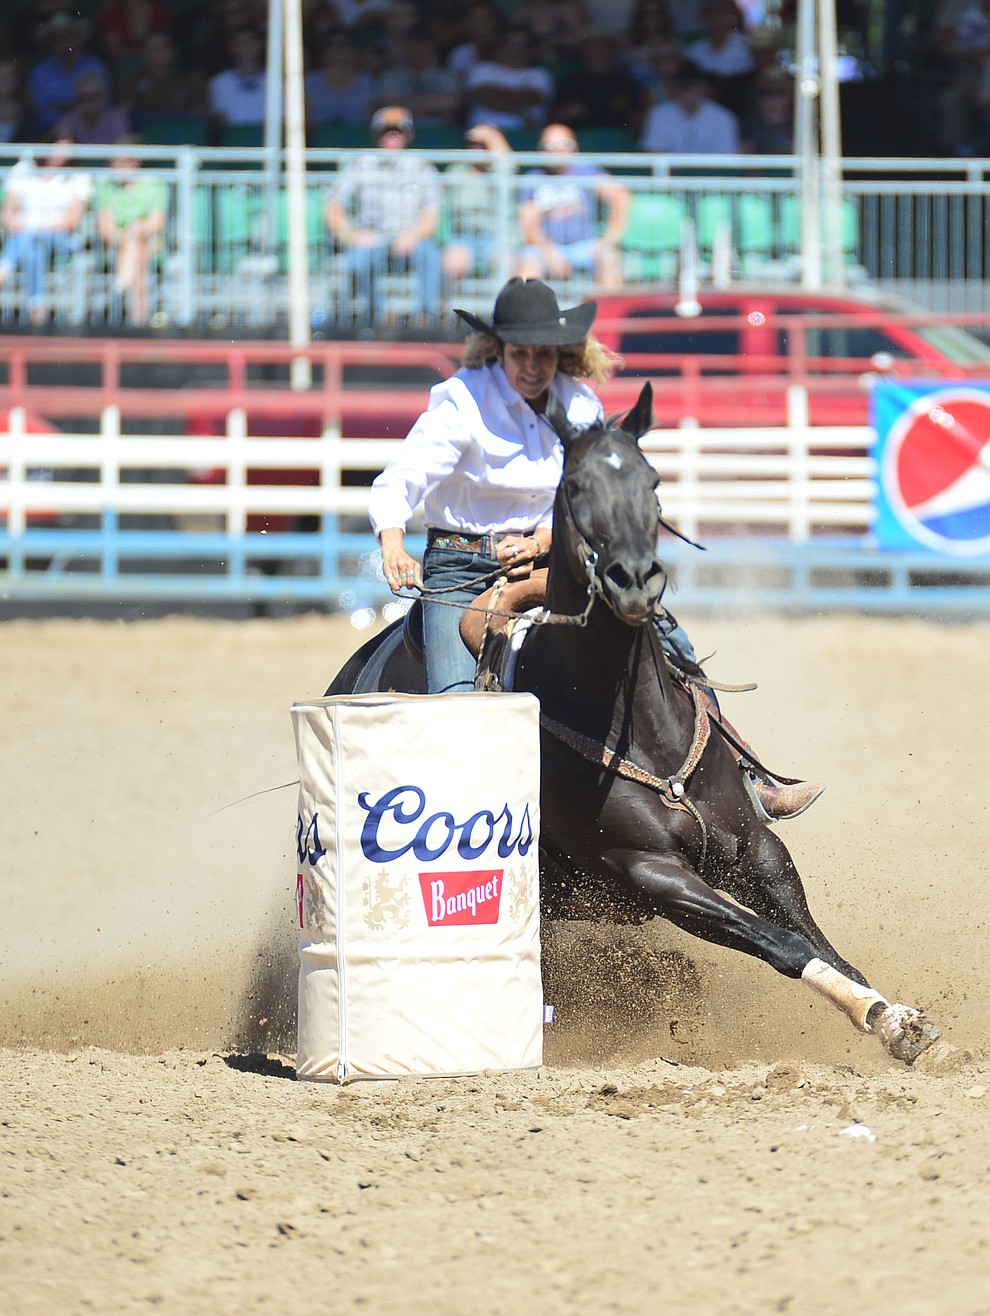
(857, 341)
(684, 337)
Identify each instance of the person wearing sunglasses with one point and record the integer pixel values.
(382, 214)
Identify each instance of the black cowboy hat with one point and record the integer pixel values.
(527, 314)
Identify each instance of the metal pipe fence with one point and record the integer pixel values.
(912, 227)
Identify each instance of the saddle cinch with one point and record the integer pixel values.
(486, 628)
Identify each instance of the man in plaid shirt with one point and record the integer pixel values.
(383, 213)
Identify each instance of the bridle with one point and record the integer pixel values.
(536, 616)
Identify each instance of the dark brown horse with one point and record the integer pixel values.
(643, 804)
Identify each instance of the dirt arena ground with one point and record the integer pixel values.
(704, 1137)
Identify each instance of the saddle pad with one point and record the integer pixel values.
(418, 885)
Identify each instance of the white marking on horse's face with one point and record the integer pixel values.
(614, 460)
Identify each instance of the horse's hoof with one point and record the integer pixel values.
(906, 1032)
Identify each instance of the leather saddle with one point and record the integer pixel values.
(484, 621)
(487, 630)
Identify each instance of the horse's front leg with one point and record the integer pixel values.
(676, 892)
(769, 883)
(673, 890)
(766, 879)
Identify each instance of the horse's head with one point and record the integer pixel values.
(607, 511)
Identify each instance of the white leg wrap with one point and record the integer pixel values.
(852, 999)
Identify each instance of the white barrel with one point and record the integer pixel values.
(418, 885)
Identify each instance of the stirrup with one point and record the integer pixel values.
(781, 803)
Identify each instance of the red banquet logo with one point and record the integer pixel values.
(461, 899)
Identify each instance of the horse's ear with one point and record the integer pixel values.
(557, 417)
(640, 419)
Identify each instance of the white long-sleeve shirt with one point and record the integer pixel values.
(480, 459)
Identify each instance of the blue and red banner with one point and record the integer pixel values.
(933, 466)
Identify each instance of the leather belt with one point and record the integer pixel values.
(484, 544)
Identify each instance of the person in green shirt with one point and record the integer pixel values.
(131, 210)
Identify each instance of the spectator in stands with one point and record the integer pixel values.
(768, 127)
(558, 216)
(130, 217)
(27, 39)
(237, 96)
(474, 207)
(509, 91)
(385, 51)
(965, 45)
(206, 35)
(649, 23)
(52, 83)
(691, 123)
(123, 25)
(383, 213)
(92, 120)
(159, 89)
(658, 71)
(417, 80)
(43, 208)
(724, 53)
(599, 92)
(446, 22)
(558, 27)
(339, 90)
(16, 122)
(319, 22)
(614, 14)
(356, 14)
(484, 28)
(685, 20)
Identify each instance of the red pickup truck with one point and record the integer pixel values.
(729, 363)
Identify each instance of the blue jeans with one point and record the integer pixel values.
(450, 665)
(674, 638)
(368, 263)
(33, 252)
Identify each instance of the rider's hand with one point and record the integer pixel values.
(516, 553)
(401, 570)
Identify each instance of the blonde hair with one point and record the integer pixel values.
(588, 359)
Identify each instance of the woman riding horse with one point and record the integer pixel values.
(485, 461)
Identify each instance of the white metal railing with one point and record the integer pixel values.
(785, 516)
(795, 482)
(910, 226)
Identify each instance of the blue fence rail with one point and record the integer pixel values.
(339, 571)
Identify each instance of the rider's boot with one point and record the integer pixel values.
(783, 802)
(778, 801)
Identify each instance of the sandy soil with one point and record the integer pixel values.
(704, 1137)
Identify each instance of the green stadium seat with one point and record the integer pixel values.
(607, 140)
(756, 235)
(790, 227)
(713, 216)
(242, 134)
(316, 235)
(173, 129)
(651, 243)
(340, 136)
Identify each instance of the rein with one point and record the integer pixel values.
(539, 617)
